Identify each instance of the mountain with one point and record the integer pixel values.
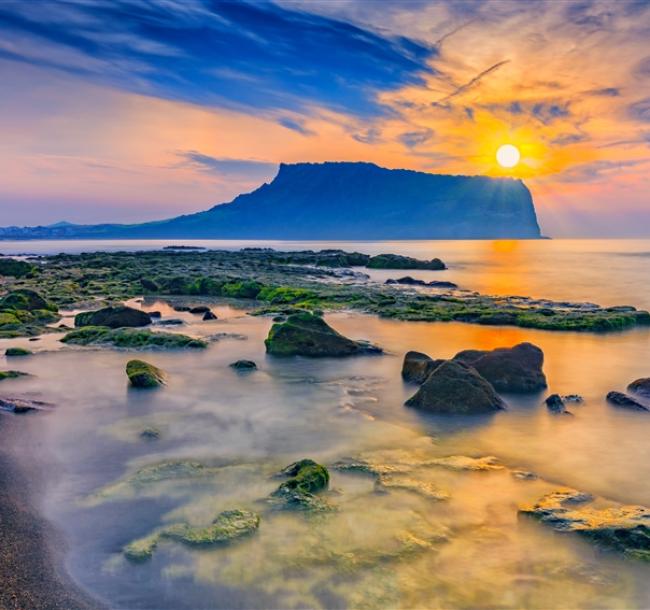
(341, 201)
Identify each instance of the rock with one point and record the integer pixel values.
(307, 478)
(209, 315)
(417, 367)
(454, 388)
(141, 374)
(397, 261)
(131, 338)
(149, 285)
(243, 365)
(181, 308)
(17, 351)
(576, 398)
(25, 299)
(16, 268)
(227, 527)
(640, 386)
(305, 334)
(119, 316)
(524, 475)
(622, 528)
(199, 309)
(171, 322)
(409, 281)
(516, 369)
(150, 434)
(555, 404)
(23, 405)
(619, 399)
(155, 314)
(12, 375)
(472, 464)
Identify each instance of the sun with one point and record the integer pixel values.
(508, 155)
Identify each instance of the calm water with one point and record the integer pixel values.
(404, 549)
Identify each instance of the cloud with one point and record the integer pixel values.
(569, 138)
(471, 83)
(227, 167)
(295, 125)
(640, 111)
(598, 170)
(372, 135)
(605, 92)
(208, 52)
(413, 139)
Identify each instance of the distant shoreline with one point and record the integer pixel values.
(32, 572)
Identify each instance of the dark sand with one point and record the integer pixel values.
(32, 576)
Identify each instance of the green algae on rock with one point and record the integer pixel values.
(127, 338)
(227, 527)
(26, 299)
(306, 334)
(307, 478)
(12, 375)
(17, 351)
(16, 268)
(622, 528)
(141, 374)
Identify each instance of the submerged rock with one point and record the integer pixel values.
(199, 309)
(23, 405)
(12, 375)
(454, 388)
(409, 281)
(171, 322)
(119, 316)
(306, 334)
(209, 315)
(150, 434)
(131, 338)
(397, 261)
(17, 351)
(640, 386)
(307, 478)
(555, 404)
(418, 366)
(243, 365)
(623, 528)
(227, 527)
(464, 462)
(516, 369)
(141, 374)
(619, 399)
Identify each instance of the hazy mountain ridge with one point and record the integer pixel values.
(339, 200)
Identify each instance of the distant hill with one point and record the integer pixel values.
(340, 201)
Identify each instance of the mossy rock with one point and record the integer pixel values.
(17, 351)
(8, 319)
(397, 261)
(227, 528)
(12, 375)
(418, 366)
(25, 299)
(307, 478)
(306, 334)
(141, 374)
(120, 316)
(129, 338)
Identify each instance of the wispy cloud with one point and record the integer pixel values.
(226, 167)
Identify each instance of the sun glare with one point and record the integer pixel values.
(508, 155)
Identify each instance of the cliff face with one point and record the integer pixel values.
(351, 201)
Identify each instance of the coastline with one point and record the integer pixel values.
(32, 572)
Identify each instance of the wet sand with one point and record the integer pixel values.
(32, 576)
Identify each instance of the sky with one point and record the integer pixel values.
(134, 110)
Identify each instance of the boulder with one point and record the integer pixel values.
(181, 308)
(25, 299)
(307, 478)
(397, 261)
(119, 316)
(199, 309)
(244, 365)
(16, 268)
(555, 404)
(409, 281)
(12, 352)
(209, 315)
(155, 314)
(417, 367)
(640, 386)
(516, 369)
(11, 375)
(141, 374)
(149, 285)
(306, 334)
(456, 389)
(619, 399)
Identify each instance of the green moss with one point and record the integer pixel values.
(11, 375)
(16, 268)
(26, 299)
(17, 351)
(248, 289)
(307, 478)
(141, 549)
(144, 375)
(130, 338)
(8, 319)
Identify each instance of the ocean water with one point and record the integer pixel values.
(439, 538)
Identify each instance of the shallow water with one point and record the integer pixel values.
(439, 538)
(436, 538)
